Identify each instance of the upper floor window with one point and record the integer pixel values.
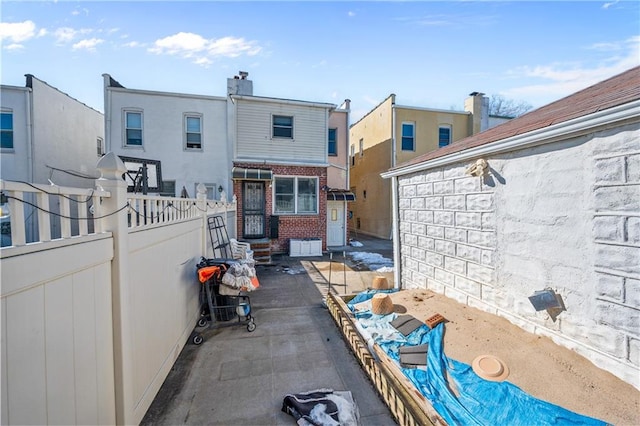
(100, 147)
(352, 153)
(333, 142)
(444, 136)
(296, 195)
(282, 126)
(408, 137)
(133, 128)
(193, 131)
(361, 145)
(6, 128)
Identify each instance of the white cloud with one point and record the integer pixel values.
(134, 44)
(88, 44)
(17, 31)
(14, 46)
(68, 34)
(607, 5)
(351, 14)
(189, 45)
(562, 79)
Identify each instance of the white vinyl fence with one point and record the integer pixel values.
(93, 318)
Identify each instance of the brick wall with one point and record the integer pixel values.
(290, 226)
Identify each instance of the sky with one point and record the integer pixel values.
(429, 54)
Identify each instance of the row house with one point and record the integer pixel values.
(282, 159)
(391, 134)
(47, 137)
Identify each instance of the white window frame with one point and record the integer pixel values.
(273, 126)
(125, 129)
(186, 131)
(296, 209)
(413, 135)
(100, 146)
(361, 147)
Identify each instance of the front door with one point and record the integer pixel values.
(253, 209)
(335, 223)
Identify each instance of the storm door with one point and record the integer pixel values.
(253, 209)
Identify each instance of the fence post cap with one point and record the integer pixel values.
(111, 167)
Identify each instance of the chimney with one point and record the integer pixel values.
(478, 105)
(240, 85)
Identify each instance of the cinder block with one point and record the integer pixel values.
(466, 185)
(435, 231)
(468, 286)
(469, 253)
(487, 258)
(434, 259)
(433, 175)
(598, 336)
(609, 170)
(425, 216)
(404, 203)
(482, 202)
(488, 221)
(610, 286)
(410, 215)
(418, 229)
(468, 220)
(634, 351)
(457, 266)
(445, 247)
(455, 234)
(418, 253)
(633, 230)
(479, 273)
(617, 316)
(426, 270)
(632, 293)
(454, 202)
(454, 171)
(618, 258)
(435, 285)
(456, 295)
(443, 218)
(408, 190)
(424, 189)
(426, 242)
(633, 168)
(417, 203)
(433, 203)
(608, 228)
(410, 240)
(447, 278)
(482, 238)
(443, 187)
(617, 198)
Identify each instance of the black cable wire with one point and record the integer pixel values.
(73, 173)
(63, 216)
(53, 193)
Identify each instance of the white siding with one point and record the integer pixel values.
(14, 162)
(254, 133)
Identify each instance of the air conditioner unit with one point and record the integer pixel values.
(299, 247)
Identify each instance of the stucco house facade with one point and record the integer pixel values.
(548, 203)
(392, 134)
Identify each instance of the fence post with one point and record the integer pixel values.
(203, 208)
(114, 219)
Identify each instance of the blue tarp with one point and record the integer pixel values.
(477, 401)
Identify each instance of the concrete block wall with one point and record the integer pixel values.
(564, 216)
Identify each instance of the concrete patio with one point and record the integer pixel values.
(240, 378)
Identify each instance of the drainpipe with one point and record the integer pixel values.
(29, 114)
(396, 233)
(107, 113)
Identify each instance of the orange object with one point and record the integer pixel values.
(207, 272)
(434, 320)
(255, 282)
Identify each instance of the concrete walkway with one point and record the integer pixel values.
(239, 378)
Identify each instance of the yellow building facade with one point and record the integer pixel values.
(392, 134)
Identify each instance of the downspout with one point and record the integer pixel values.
(348, 168)
(106, 78)
(396, 234)
(30, 147)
